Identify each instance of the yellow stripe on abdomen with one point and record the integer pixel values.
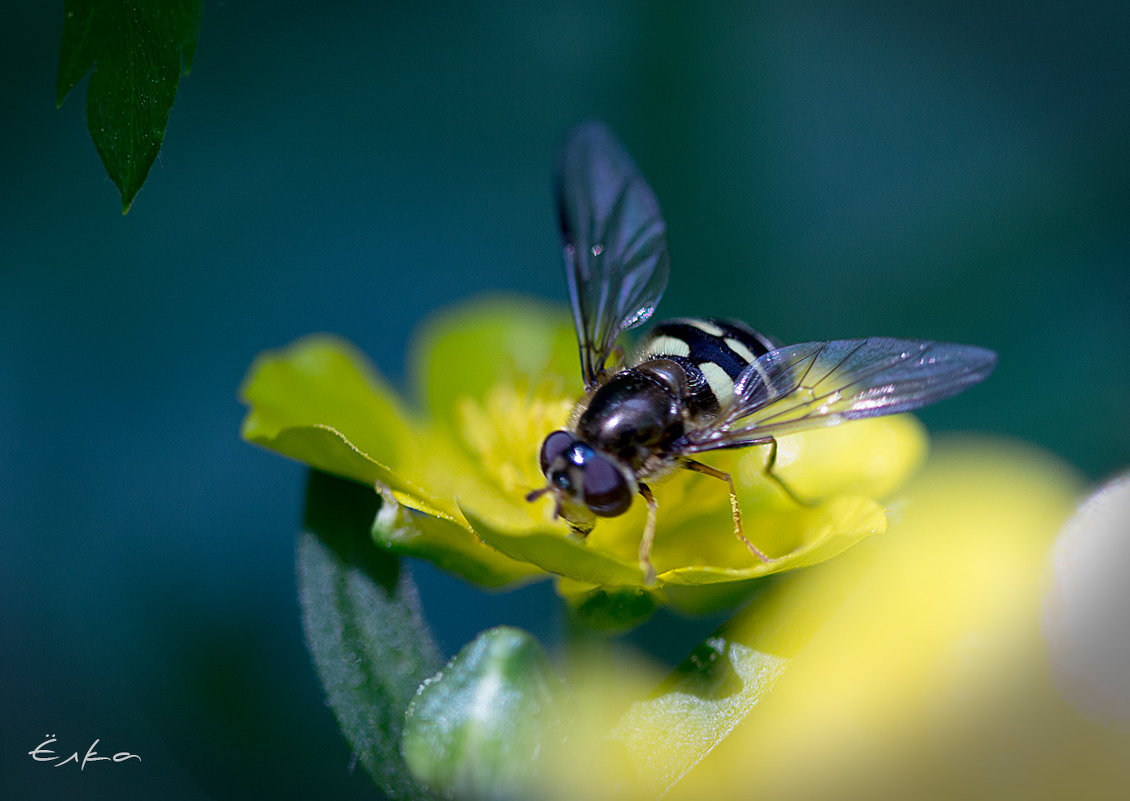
(720, 382)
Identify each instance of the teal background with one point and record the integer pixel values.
(948, 170)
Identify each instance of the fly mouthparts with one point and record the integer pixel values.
(533, 495)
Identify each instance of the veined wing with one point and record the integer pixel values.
(615, 242)
(824, 383)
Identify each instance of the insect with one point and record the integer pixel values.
(693, 385)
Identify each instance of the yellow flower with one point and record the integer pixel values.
(491, 379)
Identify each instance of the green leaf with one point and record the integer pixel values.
(607, 609)
(482, 727)
(370, 643)
(137, 49)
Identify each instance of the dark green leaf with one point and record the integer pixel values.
(137, 49)
(370, 643)
(612, 609)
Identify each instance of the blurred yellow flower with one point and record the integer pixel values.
(912, 666)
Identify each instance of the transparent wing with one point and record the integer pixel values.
(615, 242)
(824, 383)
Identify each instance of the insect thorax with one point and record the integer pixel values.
(634, 414)
(712, 353)
(679, 377)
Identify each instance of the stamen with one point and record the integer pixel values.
(504, 430)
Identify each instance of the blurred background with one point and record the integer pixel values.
(953, 170)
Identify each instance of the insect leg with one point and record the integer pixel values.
(648, 534)
(706, 469)
(771, 463)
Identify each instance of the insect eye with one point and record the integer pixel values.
(606, 491)
(554, 445)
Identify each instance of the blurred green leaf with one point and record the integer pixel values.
(708, 695)
(719, 685)
(137, 50)
(370, 643)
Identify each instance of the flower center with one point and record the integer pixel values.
(505, 429)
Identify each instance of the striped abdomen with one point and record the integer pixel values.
(712, 353)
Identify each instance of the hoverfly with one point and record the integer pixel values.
(693, 385)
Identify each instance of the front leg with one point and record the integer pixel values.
(648, 535)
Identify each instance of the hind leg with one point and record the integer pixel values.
(770, 464)
(735, 508)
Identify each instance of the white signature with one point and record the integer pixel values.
(41, 753)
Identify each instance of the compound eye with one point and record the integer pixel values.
(555, 445)
(606, 490)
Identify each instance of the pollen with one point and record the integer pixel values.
(504, 429)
